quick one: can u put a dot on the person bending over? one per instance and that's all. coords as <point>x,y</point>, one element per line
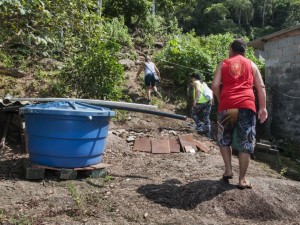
<point>201,106</point>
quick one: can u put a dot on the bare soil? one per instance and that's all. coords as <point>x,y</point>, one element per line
<point>145,188</point>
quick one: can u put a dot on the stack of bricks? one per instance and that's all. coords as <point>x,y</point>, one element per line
<point>184,143</point>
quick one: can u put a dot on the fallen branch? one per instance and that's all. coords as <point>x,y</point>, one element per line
<point>11,72</point>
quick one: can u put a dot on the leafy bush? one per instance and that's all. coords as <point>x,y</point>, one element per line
<point>181,56</point>
<point>5,59</point>
<point>116,32</point>
<point>116,36</point>
<point>96,74</point>
<point>187,53</point>
<point>75,34</point>
<point>155,28</point>
<point>150,30</point>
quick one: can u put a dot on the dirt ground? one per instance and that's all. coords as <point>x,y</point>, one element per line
<point>145,188</point>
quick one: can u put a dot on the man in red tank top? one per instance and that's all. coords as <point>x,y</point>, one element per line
<point>233,85</point>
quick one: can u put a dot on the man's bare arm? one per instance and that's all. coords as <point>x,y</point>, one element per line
<point>139,71</point>
<point>261,92</point>
<point>157,71</point>
<point>216,84</point>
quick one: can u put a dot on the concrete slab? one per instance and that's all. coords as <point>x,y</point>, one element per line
<point>67,174</point>
<point>160,146</point>
<point>174,145</point>
<point>187,143</point>
<point>190,149</point>
<point>97,173</point>
<point>187,140</point>
<point>142,144</point>
<point>35,173</point>
<point>187,137</point>
<point>202,146</point>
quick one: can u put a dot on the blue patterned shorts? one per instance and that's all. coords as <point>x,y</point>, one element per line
<point>236,128</point>
<point>201,116</point>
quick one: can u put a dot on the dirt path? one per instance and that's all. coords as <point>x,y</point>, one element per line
<point>144,188</point>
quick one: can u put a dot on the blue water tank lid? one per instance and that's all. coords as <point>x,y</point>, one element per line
<point>67,108</point>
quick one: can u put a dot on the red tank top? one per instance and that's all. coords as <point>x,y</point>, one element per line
<point>237,84</point>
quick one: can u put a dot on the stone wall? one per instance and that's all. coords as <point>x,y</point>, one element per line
<point>283,87</point>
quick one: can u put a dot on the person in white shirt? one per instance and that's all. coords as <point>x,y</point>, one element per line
<point>152,76</point>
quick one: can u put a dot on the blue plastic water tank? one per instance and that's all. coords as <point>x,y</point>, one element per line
<point>66,134</point>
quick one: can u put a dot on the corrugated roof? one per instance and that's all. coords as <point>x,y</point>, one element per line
<point>260,42</point>
<point>6,104</point>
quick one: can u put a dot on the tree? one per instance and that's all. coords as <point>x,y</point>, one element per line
<point>242,9</point>
<point>132,10</point>
<point>216,18</point>
<point>167,8</point>
<point>293,17</point>
<point>280,10</point>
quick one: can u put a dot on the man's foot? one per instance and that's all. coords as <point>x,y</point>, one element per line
<point>244,186</point>
<point>227,176</point>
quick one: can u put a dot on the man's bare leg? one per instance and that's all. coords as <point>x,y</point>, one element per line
<point>156,92</point>
<point>226,153</point>
<point>244,160</point>
<point>148,93</point>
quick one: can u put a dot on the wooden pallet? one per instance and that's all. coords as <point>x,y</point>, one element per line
<point>38,172</point>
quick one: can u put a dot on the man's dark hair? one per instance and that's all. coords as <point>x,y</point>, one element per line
<point>197,76</point>
<point>238,46</point>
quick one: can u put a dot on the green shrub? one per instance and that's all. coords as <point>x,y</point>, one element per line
<point>116,32</point>
<point>181,56</point>
<point>187,53</point>
<point>96,74</point>
<point>5,60</point>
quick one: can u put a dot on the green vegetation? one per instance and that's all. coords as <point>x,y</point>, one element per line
<point>84,198</point>
<point>77,198</point>
<point>72,48</point>
<point>26,220</point>
<point>289,168</point>
<point>94,74</point>
<point>189,53</point>
<point>87,39</point>
<point>89,46</point>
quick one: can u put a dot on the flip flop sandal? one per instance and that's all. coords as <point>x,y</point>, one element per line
<point>227,177</point>
<point>242,187</point>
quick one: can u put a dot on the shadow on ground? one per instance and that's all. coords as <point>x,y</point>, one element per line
<point>13,168</point>
<point>243,204</point>
<point>172,194</point>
